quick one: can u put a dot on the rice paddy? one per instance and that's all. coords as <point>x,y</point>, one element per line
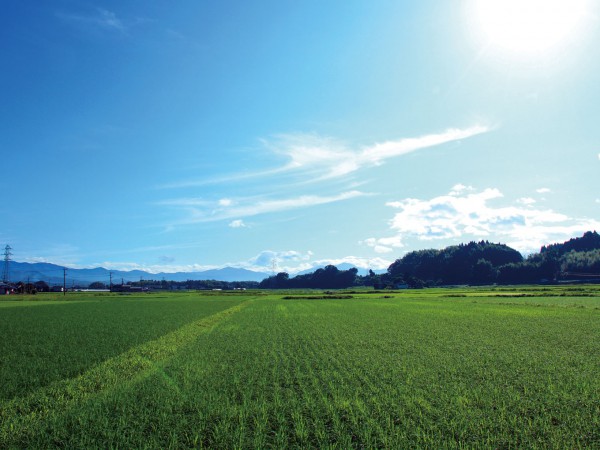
<point>438,368</point>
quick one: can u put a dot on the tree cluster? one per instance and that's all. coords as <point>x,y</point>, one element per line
<point>195,284</point>
<point>329,277</point>
<point>472,263</point>
<point>486,263</point>
<point>475,263</point>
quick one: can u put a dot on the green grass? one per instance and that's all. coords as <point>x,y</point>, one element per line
<point>45,338</point>
<point>458,368</point>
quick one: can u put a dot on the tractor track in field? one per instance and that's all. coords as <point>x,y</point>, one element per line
<point>21,416</point>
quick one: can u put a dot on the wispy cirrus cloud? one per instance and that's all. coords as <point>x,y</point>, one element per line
<point>99,18</point>
<point>200,210</point>
<point>224,179</point>
<point>307,158</point>
<point>330,158</point>
<point>378,153</point>
<point>324,157</point>
<point>465,213</point>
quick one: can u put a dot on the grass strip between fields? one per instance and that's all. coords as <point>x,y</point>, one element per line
<point>19,416</point>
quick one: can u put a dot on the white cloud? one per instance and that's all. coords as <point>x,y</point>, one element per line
<point>238,223</point>
<point>289,261</point>
<point>201,211</point>
<point>109,19</point>
<point>325,157</point>
<point>292,262</point>
<point>384,245</point>
<point>153,268</point>
<point>543,190</point>
<point>309,150</point>
<point>449,216</point>
<point>278,261</point>
<point>330,158</point>
<point>309,157</point>
<point>526,201</point>
<point>377,153</point>
<point>359,262</point>
<point>458,188</point>
<point>464,214</point>
<point>186,202</point>
<point>100,18</point>
<point>223,179</point>
<point>266,257</point>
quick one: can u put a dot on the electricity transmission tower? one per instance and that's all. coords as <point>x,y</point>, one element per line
<point>6,271</point>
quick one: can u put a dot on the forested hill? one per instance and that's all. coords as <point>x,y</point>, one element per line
<point>588,242</point>
<point>485,263</point>
<point>475,263</point>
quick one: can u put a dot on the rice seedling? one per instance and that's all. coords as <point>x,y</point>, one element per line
<point>416,369</point>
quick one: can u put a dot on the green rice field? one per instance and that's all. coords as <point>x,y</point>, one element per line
<point>506,367</point>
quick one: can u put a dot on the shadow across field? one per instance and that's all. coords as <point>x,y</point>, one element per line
<point>43,342</point>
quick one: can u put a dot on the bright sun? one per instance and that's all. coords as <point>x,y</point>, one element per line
<point>528,26</point>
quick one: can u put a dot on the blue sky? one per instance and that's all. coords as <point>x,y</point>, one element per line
<point>169,138</point>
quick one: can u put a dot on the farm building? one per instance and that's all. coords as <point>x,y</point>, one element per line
<point>6,289</point>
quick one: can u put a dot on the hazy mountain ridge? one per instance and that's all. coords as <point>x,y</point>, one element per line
<point>53,274</point>
<point>550,259</point>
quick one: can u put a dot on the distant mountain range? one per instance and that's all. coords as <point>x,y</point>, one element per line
<point>53,274</point>
<point>577,257</point>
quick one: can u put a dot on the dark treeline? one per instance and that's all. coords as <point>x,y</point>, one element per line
<point>486,263</point>
<point>185,285</point>
<point>475,263</point>
<point>329,277</point>
<point>472,263</point>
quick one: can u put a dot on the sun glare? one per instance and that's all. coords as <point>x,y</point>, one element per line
<point>528,26</point>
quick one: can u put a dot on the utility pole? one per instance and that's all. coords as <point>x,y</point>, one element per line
<point>274,265</point>
<point>6,271</point>
<point>64,281</point>
<point>110,285</point>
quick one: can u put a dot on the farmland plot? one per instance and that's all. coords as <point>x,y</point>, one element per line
<point>416,369</point>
